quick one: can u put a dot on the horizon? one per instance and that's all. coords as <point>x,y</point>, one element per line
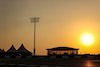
<point>62,23</point>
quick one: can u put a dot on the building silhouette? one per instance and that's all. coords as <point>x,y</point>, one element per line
<point>2,53</point>
<point>62,51</point>
<point>11,51</point>
<point>22,52</point>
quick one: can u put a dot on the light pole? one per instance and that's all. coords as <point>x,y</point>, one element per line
<point>34,20</point>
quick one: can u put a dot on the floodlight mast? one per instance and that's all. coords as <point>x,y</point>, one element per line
<point>34,20</point>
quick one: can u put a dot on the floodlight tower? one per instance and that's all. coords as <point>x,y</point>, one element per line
<point>34,20</point>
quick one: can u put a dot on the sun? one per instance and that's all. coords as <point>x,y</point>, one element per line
<point>87,39</point>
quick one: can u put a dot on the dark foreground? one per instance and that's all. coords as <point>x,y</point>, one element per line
<point>47,62</point>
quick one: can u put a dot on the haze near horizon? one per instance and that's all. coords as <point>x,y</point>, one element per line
<point>62,23</point>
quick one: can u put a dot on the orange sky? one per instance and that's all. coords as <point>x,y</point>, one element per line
<point>62,23</point>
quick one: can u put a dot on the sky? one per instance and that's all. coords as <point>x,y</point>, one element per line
<point>61,23</point>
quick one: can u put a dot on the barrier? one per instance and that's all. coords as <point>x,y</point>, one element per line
<point>33,65</point>
<point>52,56</point>
<point>18,56</point>
<point>7,56</point>
<point>90,56</point>
<point>28,56</point>
<point>22,65</point>
<point>44,66</point>
<point>77,56</point>
<point>65,56</point>
<point>25,65</point>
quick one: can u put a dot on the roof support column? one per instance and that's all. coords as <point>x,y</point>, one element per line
<point>76,51</point>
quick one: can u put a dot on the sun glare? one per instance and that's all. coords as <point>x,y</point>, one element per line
<point>87,39</point>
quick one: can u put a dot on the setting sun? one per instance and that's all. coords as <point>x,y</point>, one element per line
<point>87,39</point>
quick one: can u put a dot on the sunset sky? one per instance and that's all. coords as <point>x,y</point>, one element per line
<point>62,23</point>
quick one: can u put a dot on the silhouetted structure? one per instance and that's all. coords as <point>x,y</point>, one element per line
<point>62,51</point>
<point>2,50</point>
<point>12,51</point>
<point>23,52</point>
<point>2,53</point>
